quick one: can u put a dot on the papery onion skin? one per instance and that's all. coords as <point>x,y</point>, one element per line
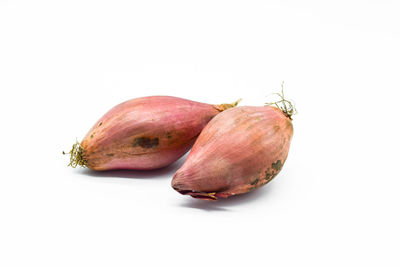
<point>239,150</point>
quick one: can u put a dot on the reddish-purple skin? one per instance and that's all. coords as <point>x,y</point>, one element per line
<point>239,150</point>
<point>146,133</point>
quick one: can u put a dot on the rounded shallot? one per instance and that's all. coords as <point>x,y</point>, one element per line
<point>239,150</point>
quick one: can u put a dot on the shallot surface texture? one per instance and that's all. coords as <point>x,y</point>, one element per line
<point>239,150</point>
<point>144,133</point>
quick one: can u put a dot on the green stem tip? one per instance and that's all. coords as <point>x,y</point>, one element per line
<point>283,104</point>
<point>76,156</point>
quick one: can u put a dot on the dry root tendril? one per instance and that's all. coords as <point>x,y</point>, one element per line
<point>283,104</point>
<point>76,156</point>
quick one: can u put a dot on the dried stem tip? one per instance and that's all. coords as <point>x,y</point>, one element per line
<point>76,156</point>
<point>223,107</point>
<point>283,104</point>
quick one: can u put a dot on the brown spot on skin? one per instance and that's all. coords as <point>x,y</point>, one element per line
<point>254,182</point>
<point>268,175</point>
<point>101,123</point>
<point>146,142</point>
<point>91,136</point>
<point>273,171</point>
<point>276,128</point>
<point>110,155</point>
<point>277,166</point>
<point>169,136</point>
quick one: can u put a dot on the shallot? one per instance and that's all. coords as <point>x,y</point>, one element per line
<point>144,133</point>
<point>239,150</point>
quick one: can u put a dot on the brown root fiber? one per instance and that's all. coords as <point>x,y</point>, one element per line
<point>283,104</point>
<point>76,156</point>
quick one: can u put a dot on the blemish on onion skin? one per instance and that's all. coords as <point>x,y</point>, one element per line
<point>91,136</point>
<point>169,136</point>
<point>268,175</point>
<point>101,123</point>
<point>146,142</point>
<point>110,155</point>
<point>254,182</point>
<point>273,171</point>
<point>277,166</point>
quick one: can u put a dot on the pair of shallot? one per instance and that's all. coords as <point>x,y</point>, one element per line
<point>235,149</point>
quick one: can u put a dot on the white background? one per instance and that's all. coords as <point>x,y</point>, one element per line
<point>63,64</point>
